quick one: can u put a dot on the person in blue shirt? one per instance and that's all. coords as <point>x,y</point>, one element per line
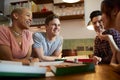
<point>48,45</point>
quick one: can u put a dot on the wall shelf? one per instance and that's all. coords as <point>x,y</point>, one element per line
<point>14,3</point>
<point>37,25</point>
<point>37,15</point>
<point>42,1</point>
<point>41,14</point>
<point>69,17</point>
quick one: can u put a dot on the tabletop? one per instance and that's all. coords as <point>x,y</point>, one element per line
<point>102,72</point>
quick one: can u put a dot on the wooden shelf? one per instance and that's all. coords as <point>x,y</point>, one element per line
<point>45,14</point>
<point>37,25</point>
<point>42,1</point>
<point>41,14</point>
<point>69,17</point>
<point>38,29</point>
<point>14,3</point>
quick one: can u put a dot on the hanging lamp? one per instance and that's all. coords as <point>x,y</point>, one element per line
<point>71,1</point>
<point>90,26</point>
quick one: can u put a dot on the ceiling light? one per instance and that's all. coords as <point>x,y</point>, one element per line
<point>70,1</point>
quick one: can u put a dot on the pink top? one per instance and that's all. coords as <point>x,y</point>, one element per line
<point>7,38</point>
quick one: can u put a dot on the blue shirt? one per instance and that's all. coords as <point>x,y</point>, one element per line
<point>49,47</point>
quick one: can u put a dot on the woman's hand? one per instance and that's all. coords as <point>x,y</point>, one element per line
<point>104,37</point>
<point>96,59</point>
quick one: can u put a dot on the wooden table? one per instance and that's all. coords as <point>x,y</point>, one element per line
<point>102,72</point>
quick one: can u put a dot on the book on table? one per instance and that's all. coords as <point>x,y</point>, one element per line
<point>14,69</point>
<point>66,68</point>
<point>68,65</point>
<point>72,65</point>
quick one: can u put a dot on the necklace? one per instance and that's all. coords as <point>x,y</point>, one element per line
<point>19,43</point>
<point>16,33</point>
<point>18,37</point>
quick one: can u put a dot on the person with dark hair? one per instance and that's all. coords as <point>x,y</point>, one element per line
<point>95,13</point>
<point>48,45</point>
<point>102,50</point>
<point>96,19</point>
<point>111,13</point>
<point>16,40</point>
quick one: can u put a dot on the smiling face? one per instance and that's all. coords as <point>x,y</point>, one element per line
<point>53,27</point>
<point>23,18</point>
<point>97,23</point>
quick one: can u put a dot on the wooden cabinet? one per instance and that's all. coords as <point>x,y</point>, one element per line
<point>66,11</point>
<point>69,11</point>
<point>41,14</point>
<point>39,17</point>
